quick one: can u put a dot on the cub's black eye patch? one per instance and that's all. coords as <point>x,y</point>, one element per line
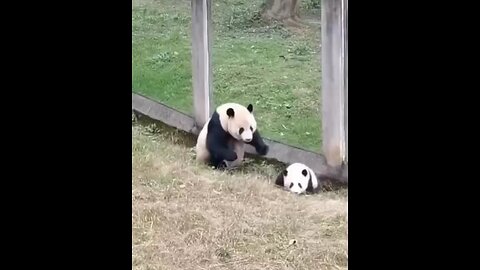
<point>251,128</point>
<point>304,172</point>
<point>240,131</point>
<point>299,185</point>
<point>291,185</point>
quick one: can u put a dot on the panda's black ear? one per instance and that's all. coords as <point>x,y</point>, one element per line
<point>285,172</point>
<point>304,172</point>
<point>230,112</point>
<point>279,180</point>
<point>250,107</point>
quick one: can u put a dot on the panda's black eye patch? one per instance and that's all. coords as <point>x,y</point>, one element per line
<point>299,185</point>
<point>251,128</point>
<point>291,185</point>
<point>240,131</point>
<point>304,172</point>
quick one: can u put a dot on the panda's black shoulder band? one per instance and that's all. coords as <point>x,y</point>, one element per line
<point>215,119</point>
<point>279,180</point>
<point>310,184</point>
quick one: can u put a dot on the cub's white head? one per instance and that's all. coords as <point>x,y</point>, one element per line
<point>298,178</point>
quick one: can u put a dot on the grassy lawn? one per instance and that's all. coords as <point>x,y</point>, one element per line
<point>275,69</point>
<point>186,216</point>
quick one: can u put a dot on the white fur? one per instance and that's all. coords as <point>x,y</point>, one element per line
<point>295,176</point>
<point>201,148</point>
<point>242,118</point>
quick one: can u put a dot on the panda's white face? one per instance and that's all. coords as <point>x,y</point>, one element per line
<point>241,123</point>
<point>297,178</point>
<point>246,134</point>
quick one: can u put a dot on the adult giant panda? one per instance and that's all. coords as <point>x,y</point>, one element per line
<point>298,178</point>
<point>221,142</point>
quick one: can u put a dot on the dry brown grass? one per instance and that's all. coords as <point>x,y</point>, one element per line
<point>187,216</point>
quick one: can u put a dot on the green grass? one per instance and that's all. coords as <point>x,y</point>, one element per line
<point>276,70</point>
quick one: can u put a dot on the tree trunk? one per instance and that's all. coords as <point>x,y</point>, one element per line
<point>285,11</point>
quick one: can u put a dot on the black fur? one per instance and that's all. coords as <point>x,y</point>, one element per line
<point>230,112</point>
<point>279,180</point>
<point>310,188</point>
<point>258,143</point>
<point>250,108</point>
<point>218,142</point>
<point>310,184</point>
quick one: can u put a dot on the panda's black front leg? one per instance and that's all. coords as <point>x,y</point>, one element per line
<point>218,162</point>
<point>219,155</point>
<point>219,147</point>
<point>258,143</point>
<point>218,165</point>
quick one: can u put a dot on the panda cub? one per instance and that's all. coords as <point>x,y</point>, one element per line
<point>221,141</point>
<point>298,178</point>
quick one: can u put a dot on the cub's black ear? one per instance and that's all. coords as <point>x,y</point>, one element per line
<point>304,172</point>
<point>279,180</point>
<point>230,112</point>
<point>285,172</point>
<point>250,107</point>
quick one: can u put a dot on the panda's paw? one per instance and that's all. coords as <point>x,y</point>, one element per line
<point>222,166</point>
<point>263,150</point>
